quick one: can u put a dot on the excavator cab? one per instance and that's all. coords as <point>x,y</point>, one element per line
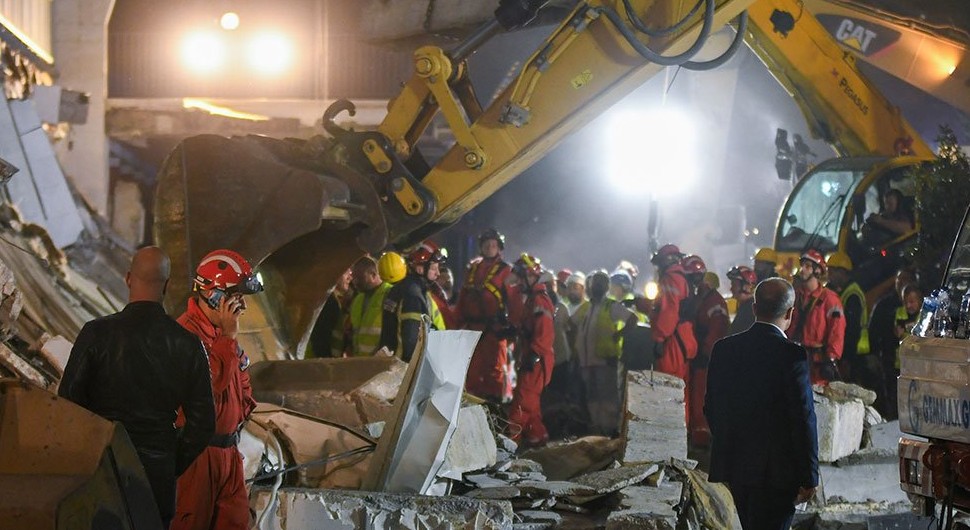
<point>832,208</point>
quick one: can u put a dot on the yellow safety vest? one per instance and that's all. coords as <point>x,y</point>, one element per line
<point>853,289</point>
<point>606,346</point>
<point>433,317</point>
<point>366,315</point>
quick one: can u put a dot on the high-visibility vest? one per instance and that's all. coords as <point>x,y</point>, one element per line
<point>606,346</point>
<point>853,289</point>
<point>366,315</point>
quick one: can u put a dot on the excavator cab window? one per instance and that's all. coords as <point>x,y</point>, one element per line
<point>814,212</point>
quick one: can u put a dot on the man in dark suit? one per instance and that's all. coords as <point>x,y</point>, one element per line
<point>762,417</point>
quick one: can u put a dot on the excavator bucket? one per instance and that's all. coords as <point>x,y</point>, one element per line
<point>288,206</point>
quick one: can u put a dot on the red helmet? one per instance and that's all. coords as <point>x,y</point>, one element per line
<point>427,252</point>
<point>667,255</point>
<point>563,275</point>
<point>743,274</point>
<point>527,263</point>
<point>693,264</point>
<point>227,271</point>
<point>815,257</point>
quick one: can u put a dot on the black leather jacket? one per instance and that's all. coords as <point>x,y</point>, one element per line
<point>138,367</point>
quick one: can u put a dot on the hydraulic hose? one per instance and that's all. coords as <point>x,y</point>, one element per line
<point>662,32</point>
<point>728,53</point>
<point>651,55</point>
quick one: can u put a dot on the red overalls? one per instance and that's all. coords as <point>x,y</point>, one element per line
<point>481,304</point>
<point>819,326</point>
<point>676,333</point>
<point>211,494</point>
<point>710,325</point>
<point>536,335</point>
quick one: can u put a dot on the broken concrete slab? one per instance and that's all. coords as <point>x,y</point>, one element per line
<point>482,480</point>
<point>555,488</point>
<point>564,461</point>
<point>647,507</point>
<point>339,510</point>
<point>472,447</point>
<point>866,481</point>
<point>610,480</point>
<point>712,503</point>
<point>887,435</point>
<point>840,391</point>
<point>495,493</point>
<point>840,427</point>
<point>655,427</point>
<point>540,516</point>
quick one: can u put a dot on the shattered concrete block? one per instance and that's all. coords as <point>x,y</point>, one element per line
<point>610,480</point>
<point>873,417</point>
<point>647,507</point>
<point>539,516</point>
<point>472,446</point>
<point>840,427</point>
<point>655,427</point>
<point>839,391</point>
<point>523,465</point>
<point>482,480</point>
<point>869,480</point>
<point>340,510</point>
<point>555,488</point>
<point>495,493</point>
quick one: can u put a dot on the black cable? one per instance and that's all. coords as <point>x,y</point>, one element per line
<point>353,452</point>
<point>651,55</point>
<point>726,56</point>
<point>662,32</point>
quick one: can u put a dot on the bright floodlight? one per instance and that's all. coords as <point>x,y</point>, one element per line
<point>203,52</point>
<point>229,21</point>
<point>652,151</point>
<point>269,53</point>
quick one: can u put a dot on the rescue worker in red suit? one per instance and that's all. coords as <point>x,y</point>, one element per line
<point>673,331</point>
<point>211,494</point>
<point>482,307</point>
<point>710,325</point>
<point>533,321</point>
<point>818,323</point>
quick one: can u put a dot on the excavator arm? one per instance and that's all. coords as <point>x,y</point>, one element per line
<point>304,210</point>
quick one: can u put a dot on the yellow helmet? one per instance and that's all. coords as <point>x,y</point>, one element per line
<point>766,254</point>
<point>839,259</point>
<point>712,280</point>
<point>391,267</point>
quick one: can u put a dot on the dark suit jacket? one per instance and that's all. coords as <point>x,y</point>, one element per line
<point>760,409</point>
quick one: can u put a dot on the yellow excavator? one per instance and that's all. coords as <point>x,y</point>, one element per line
<point>305,210</point>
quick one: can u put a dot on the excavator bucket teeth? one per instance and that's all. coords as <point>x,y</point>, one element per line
<point>287,206</point>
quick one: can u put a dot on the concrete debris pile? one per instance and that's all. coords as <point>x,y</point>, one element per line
<point>44,302</point>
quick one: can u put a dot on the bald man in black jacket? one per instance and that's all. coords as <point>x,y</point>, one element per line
<point>762,416</point>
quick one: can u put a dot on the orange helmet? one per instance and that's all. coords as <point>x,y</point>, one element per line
<point>816,258</point>
<point>427,252</point>
<point>693,264</point>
